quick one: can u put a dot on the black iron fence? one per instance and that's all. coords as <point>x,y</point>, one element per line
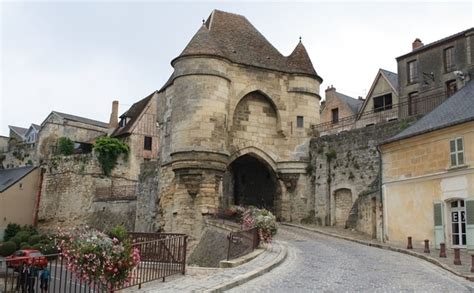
<point>161,256</point>
<point>242,242</point>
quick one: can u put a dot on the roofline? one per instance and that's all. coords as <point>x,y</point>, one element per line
<point>427,131</point>
<point>10,127</point>
<point>436,43</point>
<point>316,76</point>
<point>34,168</point>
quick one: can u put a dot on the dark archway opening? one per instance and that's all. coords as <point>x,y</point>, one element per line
<point>253,183</point>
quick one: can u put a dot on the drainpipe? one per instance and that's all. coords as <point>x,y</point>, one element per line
<point>381,192</point>
<point>38,197</point>
<point>329,193</point>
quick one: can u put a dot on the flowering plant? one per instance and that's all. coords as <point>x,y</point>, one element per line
<point>235,212</point>
<point>97,258</point>
<point>262,219</point>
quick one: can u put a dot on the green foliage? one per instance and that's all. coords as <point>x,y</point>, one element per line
<point>331,155</point>
<point>36,246</point>
<point>16,240</point>
<point>118,232</point>
<point>25,245</point>
<point>11,231</point>
<point>65,146</point>
<point>108,150</point>
<point>7,248</point>
<point>23,236</point>
<point>309,169</point>
<point>34,239</point>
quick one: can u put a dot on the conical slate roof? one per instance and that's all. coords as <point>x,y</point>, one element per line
<point>233,37</point>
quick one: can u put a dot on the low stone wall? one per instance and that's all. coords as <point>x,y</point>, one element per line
<point>70,194</point>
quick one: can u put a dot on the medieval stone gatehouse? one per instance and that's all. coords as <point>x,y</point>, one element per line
<point>235,120</point>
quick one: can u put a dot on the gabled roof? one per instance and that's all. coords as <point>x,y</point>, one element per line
<point>390,77</point>
<point>8,177</point>
<point>134,113</point>
<point>81,119</point>
<point>18,130</point>
<point>35,126</point>
<point>436,43</point>
<point>353,104</point>
<point>459,108</point>
<point>233,37</point>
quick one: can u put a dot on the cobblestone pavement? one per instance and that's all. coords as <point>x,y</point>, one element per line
<point>318,263</point>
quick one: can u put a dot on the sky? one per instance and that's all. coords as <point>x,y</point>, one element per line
<point>77,57</point>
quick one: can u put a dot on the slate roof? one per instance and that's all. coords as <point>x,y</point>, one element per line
<point>392,78</point>
<point>81,119</point>
<point>436,43</point>
<point>459,108</point>
<point>354,104</point>
<point>233,37</point>
<point>8,177</point>
<point>19,130</point>
<point>36,126</point>
<point>133,113</point>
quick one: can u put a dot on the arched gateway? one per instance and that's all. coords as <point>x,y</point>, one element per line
<point>250,181</point>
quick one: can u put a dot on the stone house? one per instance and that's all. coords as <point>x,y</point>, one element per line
<point>139,129</point>
<point>17,133</point>
<point>79,129</point>
<point>428,176</point>
<point>431,73</point>
<point>18,196</point>
<point>21,146</point>
<point>235,120</point>
<point>338,112</point>
<point>381,103</point>
<point>3,145</point>
<point>31,135</point>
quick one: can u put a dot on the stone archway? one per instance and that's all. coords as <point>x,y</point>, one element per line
<point>343,205</point>
<point>249,180</point>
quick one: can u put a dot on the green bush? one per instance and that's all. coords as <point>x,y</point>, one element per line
<point>34,239</point>
<point>37,246</point>
<point>7,248</point>
<point>108,150</point>
<point>23,235</point>
<point>17,241</point>
<point>25,245</point>
<point>118,232</point>
<point>65,146</point>
<point>11,231</point>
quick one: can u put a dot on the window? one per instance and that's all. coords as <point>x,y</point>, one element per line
<point>449,59</point>
<point>123,122</point>
<point>299,121</point>
<point>456,150</point>
<point>148,143</point>
<point>412,71</point>
<point>412,103</point>
<point>335,115</point>
<point>383,103</point>
<point>451,88</point>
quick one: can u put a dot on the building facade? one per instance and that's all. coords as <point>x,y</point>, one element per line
<point>234,122</point>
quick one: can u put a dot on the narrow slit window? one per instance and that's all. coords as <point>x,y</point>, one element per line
<point>299,121</point>
<point>148,143</point>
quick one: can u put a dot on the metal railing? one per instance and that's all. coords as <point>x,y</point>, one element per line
<point>402,110</point>
<point>159,258</point>
<point>242,242</point>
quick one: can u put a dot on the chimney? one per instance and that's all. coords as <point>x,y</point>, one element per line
<point>113,123</point>
<point>330,88</point>
<point>361,98</point>
<point>416,44</point>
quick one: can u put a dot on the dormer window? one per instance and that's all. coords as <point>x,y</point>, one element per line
<point>123,122</point>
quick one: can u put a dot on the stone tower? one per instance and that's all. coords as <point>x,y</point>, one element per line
<point>235,120</point>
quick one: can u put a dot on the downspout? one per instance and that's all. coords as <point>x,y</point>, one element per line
<point>38,197</point>
<point>381,192</point>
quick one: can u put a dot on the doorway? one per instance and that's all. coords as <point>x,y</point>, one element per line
<point>458,223</point>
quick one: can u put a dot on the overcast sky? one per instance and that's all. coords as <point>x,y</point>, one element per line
<point>77,57</point>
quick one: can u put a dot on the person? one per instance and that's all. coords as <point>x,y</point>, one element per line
<point>32,273</point>
<point>45,277</point>
<point>21,277</point>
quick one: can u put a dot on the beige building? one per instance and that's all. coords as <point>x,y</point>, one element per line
<point>18,196</point>
<point>235,121</point>
<point>428,176</point>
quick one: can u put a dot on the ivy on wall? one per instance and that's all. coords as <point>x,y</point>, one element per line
<point>108,151</point>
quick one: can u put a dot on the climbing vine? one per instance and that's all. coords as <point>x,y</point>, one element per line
<point>108,150</point>
<point>65,146</point>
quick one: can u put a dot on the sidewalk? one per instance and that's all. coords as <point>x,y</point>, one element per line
<point>217,280</point>
<point>463,270</point>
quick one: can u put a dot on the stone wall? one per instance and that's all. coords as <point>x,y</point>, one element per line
<point>74,193</point>
<point>148,197</point>
<point>348,163</point>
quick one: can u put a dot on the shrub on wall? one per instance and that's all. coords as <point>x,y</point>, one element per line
<point>7,248</point>
<point>65,146</point>
<point>108,151</point>
<point>11,231</point>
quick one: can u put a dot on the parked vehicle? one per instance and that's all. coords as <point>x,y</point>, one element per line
<point>26,257</point>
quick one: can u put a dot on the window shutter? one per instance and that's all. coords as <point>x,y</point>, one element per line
<point>470,223</point>
<point>438,223</point>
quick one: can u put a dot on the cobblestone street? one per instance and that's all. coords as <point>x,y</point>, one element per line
<point>317,263</point>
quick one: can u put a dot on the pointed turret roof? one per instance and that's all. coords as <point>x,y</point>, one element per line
<point>233,37</point>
